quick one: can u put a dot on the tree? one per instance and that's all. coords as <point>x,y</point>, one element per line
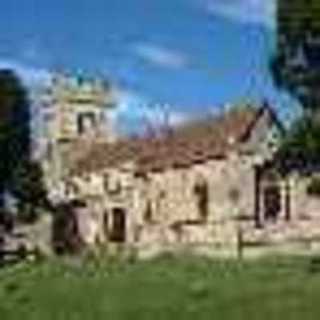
<point>296,65</point>
<point>302,141</point>
<point>14,127</point>
<point>157,120</point>
<point>296,69</point>
<point>19,174</point>
<point>29,189</point>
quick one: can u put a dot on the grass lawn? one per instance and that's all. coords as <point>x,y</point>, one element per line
<point>164,288</point>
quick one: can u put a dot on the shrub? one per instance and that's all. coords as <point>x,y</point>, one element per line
<point>313,188</point>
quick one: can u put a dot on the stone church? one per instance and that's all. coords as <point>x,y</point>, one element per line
<point>187,188</point>
<point>195,186</point>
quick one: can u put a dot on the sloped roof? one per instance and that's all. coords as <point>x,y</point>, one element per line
<point>195,142</point>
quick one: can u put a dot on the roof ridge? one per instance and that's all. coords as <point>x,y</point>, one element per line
<point>196,141</point>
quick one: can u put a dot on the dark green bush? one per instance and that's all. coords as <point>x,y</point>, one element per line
<point>313,188</point>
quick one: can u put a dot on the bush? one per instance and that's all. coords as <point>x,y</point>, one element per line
<point>66,239</point>
<point>313,188</point>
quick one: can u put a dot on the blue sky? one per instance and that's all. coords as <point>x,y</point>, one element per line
<point>194,55</point>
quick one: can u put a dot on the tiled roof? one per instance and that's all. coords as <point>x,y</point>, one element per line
<point>191,143</point>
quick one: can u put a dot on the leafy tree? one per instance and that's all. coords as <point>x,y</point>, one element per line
<point>14,124</point>
<point>304,136</point>
<point>28,188</point>
<point>296,65</point>
<point>19,175</point>
<point>296,68</point>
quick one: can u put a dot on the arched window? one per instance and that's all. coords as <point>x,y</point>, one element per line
<point>148,212</point>
<point>202,197</point>
<point>85,121</point>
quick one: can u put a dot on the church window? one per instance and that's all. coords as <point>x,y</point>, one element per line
<point>85,122</point>
<point>202,195</point>
<point>148,212</point>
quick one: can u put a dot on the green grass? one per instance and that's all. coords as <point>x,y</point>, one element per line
<point>165,288</point>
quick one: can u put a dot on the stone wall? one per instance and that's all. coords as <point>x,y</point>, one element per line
<point>162,212</point>
<point>305,207</point>
<point>173,196</point>
<point>34,236</point>
<point>162,208</point>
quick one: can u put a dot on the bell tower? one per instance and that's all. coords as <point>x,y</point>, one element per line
<point>76,111</point>
<point>79,106</point>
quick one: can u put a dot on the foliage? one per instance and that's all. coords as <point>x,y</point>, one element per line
<point>300,147</point>
<point>65,234</point>
<point>313,188</point>
<point>14,117</point>
<point>296,65</point>
<point>19,175</point>
<point>29,189</point>
<point>304,135</point>
<point>163,288</point>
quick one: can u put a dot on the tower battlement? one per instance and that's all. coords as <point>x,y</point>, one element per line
<point>76,111</point>
<point>76,106</point>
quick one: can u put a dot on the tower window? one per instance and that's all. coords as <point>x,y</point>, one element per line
<point>85,122</point>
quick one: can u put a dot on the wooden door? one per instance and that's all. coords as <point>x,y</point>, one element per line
<point>118,225</point>
<point>272,202</point>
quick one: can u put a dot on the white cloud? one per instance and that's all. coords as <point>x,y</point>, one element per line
<point>129,102</point>
<point>178,118</point>
<point>160,55</point>
<point>136,113</point>
<point>247,11</point>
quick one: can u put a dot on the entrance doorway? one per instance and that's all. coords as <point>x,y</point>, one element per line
<point>118,225</point>
<point>272,202</point>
